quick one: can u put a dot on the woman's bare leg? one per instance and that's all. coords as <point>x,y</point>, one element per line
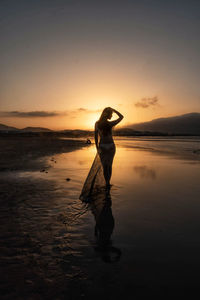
<point>107,167</point>
<point>107,170</point>
<point>106,174</point>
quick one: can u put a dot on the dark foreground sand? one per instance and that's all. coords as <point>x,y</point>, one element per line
<point>36,259</point>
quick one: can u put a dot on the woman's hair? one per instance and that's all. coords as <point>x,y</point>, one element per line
<point>105,113</point>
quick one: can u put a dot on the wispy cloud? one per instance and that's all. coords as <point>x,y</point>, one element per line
<point>147,102</point>
<point>44,114</point>
<point>29,114</point>
<point>81,109</point>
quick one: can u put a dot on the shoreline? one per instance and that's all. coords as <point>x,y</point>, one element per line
<point>25,153</point>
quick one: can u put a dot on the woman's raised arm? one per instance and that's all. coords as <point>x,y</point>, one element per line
<point>115,122</point>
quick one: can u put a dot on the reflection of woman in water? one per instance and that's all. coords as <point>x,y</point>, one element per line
<point>101,170</point>
<point>102,211</point>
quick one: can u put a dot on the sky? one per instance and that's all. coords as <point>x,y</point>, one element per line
<point>62,62</point>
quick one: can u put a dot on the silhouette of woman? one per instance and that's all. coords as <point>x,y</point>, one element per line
<point>106,146</point>
<point>101,170</point>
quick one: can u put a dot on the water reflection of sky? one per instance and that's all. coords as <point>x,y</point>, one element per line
<point>139,176</point>
<point>156,189</point>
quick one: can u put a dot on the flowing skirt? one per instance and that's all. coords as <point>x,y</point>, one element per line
<point>95,181</point>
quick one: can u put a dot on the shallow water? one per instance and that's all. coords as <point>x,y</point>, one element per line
<point>155,207</point>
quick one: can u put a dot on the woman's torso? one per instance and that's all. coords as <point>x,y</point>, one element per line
<point>105,133</point>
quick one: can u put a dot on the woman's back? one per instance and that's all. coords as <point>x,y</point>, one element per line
<point>105,131</point>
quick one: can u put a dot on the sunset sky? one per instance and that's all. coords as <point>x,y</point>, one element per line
<point>62,62</point>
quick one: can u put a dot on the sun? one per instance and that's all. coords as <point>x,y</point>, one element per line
<point>91,120</point>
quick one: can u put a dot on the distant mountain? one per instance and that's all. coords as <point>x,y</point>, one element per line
<point>35,129</point>
<point>187,124</point>
<point>183,124</point>
<point>7,128</point>
<point>26,129</point>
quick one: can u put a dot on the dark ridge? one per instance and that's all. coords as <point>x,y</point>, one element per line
<point>187,124</point>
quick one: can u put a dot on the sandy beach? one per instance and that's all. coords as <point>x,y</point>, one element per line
<point>48,246</point>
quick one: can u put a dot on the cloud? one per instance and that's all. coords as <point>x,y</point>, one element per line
<point>44,114</point>
<point>29,114</point>
<point>147,102</point>
<point>88,110</point>
<point>81,109</point>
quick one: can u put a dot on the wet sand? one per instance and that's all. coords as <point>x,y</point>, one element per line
<point>147,241</point>
<point>25,153</point>
<point>37,258</point>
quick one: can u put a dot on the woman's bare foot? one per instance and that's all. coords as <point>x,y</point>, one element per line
<point>108,186</point>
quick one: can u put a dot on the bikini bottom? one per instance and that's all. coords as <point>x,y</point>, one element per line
<point>106,153</point>
<point>107,146</point>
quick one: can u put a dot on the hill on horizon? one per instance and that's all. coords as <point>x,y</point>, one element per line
<point>35,129</point>
<point>26,129</point>
<point>183,124</point>
<point>8,128</point>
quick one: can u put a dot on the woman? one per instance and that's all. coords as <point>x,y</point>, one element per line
<point>106,146</point>
<point>101,169</point>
